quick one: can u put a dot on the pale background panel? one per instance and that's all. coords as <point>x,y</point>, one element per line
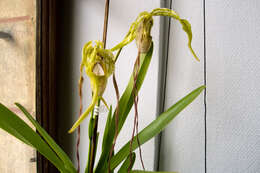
<point>233,37</point>
<point>233,81</point>
<point>182,147</point>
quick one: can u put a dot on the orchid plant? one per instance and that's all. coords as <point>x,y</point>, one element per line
<point>99,64</point>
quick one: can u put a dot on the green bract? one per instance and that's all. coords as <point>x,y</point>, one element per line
<point>99,65</point>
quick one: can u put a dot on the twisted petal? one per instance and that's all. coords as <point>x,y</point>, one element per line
<point>131,35</point>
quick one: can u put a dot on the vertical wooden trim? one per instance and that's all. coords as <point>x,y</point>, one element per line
<point>38,75</point>
<point>46,74</point>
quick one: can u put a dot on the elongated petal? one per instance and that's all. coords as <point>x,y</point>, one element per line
<point>86,113</point>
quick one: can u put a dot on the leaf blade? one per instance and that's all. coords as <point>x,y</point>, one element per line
<point>127,164</point>
<point>106,131</point>
<point>62,155</point>
<point>14,125</point>
<point>156,126</point>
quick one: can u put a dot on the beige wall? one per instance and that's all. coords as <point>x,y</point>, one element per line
<point>17,78</point>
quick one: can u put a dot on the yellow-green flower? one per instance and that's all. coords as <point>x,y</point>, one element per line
<point>141,28</point>
<point>99,65</point>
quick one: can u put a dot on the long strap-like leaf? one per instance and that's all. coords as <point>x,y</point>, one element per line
<point>62,155</point>
<point>156,126</point>
<point>128,163</point>
<point>15,126</point>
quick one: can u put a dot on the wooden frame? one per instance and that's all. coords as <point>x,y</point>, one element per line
<point>45,74</point>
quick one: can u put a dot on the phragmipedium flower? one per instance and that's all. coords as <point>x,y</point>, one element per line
<point>99,65</point>
<point>141,28</point>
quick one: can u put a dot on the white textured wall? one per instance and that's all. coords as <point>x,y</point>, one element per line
<point>182,141</point>
<point>233,82</point>
<point>233,86</point>
<point>83,20</point>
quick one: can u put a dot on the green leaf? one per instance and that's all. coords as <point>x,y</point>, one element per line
<point>91,126</point>
<point>139,171</point>
<point>96,144</point>
<point>105,145</point>
<point>127,99</point>
<point>127,164</point>
<point>91,155</point>
<point>15,126</point>
<point>125,105</point>
<point>156,126</point>
<point>56,148</point>
<point>106,132</point>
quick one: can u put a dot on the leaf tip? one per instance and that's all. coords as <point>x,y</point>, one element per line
<point>17,104</point>
<point>71,130</point>
<point>202,87</point>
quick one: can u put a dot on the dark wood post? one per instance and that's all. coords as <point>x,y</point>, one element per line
<point>45,74</point>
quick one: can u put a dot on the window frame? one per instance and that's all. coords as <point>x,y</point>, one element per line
<point>46,15</point>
